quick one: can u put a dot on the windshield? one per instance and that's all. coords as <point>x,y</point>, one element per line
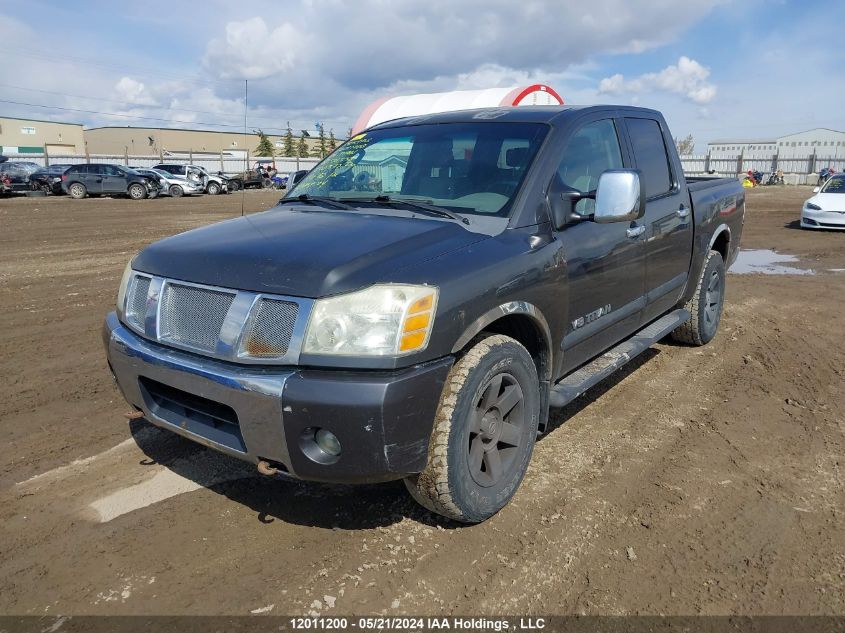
<point>474,167</point>
<point>835,185</point>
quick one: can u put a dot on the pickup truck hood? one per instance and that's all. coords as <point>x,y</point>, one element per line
<point>303,251</point>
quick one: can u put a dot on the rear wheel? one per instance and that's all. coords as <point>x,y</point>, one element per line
<point>77,190</point>
<point>706,304</point>
<point>213,188</point>
<point>137,191</point>
<point>176,191</point>
<point>484,432</point>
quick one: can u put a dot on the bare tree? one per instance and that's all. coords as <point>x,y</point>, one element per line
<point>686,146</point>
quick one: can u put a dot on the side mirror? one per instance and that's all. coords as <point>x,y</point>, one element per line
<point>620,196</point>
<point>816,189</point>
<point>295,176</point>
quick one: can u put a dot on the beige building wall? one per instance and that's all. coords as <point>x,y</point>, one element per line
<point>140,141</point>
<point>29,136</point>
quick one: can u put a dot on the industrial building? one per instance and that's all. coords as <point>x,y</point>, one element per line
<point>33,136</point>
<point>823,142</point>
<point>170,141</point>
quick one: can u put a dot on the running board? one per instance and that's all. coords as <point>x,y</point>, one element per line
<point>597,370</point>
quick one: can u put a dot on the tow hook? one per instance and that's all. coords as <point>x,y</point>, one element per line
<point>135,415</point>
<point>266,469</point>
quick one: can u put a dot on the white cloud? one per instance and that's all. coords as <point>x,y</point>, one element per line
<point>687,78</point>
<point>250,50</point>
<point>131,91</point>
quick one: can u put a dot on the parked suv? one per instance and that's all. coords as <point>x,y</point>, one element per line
<point>96,179</point>
<point>212,184</point>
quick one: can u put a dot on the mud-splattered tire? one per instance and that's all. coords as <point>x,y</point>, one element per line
<point>705,305</point>
<point>484,432</point>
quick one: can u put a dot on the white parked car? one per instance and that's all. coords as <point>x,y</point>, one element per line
<point>826,209</point>
<point>174,186</point>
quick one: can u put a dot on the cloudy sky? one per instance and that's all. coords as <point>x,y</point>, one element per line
<point>716,68</point>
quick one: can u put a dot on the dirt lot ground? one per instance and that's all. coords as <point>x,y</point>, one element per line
<point>699,481</point>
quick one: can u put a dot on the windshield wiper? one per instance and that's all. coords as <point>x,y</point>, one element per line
<point>325,201</point>
<point>418,205</point>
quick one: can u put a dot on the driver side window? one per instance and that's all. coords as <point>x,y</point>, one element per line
<point>592,150</point>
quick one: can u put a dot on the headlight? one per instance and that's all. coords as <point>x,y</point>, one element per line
<point>384,320</point>
<point>812,207</point>
<point>121,291</point>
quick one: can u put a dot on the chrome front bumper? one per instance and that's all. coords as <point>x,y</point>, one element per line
<point>383,419</point>
<point>254,394</point>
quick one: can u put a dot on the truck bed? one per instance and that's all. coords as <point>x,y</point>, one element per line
<point>699,183</point>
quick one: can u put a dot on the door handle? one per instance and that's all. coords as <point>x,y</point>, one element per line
<point>683,212</point>
<point>635,231</point>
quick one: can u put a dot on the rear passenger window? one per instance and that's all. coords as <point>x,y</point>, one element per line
<point>650,155</point>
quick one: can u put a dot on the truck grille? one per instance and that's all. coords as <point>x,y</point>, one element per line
<point>270,330</point>
<point>233,325</point>
<point>192,316</point>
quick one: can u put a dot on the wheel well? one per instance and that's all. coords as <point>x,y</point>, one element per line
<point>721,244</point>
<point>525,330</point>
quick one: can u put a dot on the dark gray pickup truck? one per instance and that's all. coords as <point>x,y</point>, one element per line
<point>417,303</point>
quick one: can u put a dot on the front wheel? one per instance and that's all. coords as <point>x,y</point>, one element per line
<point>234,185</point>
<point>484,432</point>
<point>705,307</point>
<point>77,190</point>
<point>213,188</point>
<point>137,192</point>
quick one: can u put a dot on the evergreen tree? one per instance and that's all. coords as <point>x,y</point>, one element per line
<point>265,146</point>
<point>289,148</point>
<point>332,141</point>
<point>320,149</point>
<point>302,148</point>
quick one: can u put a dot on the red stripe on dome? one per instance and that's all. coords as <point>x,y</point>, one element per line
<point>518,94</point>
<point>364,119</point>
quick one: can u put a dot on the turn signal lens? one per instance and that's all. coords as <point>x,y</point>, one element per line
<point>417,322</point>
<point>412,341</point>
<point>421,305</point>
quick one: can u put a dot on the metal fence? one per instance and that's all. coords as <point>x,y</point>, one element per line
<point>796,171</point>
<point>213,164</point>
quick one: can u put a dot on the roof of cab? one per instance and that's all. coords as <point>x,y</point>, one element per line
<point>521,114</point>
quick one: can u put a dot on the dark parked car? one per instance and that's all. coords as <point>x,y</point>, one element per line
<point>15,175</point>
<point>421,329</point>
<point>48,179</point>
<point>101,179</point>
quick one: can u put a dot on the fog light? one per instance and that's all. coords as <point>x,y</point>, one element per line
<point>328,442</point>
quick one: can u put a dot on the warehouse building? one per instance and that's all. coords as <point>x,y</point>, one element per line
<point>33,136</point>
<point>170,141</point>
<point>823,142</point>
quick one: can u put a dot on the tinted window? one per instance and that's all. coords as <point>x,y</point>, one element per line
<point>650,155</point>
<point>591,151</point>
<point>110,170</point>
<point>470,167</point>
<point>79,169</point>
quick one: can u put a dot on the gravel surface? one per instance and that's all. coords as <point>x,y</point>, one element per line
<point>699,480</point>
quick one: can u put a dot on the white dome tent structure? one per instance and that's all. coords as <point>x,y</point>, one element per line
<point>388,108</point>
